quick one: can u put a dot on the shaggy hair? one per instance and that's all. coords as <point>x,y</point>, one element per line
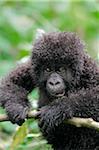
<point>55,50</point>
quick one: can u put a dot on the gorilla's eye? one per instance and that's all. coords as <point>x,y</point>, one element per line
<point>48,69</point>
<point>61,69</point>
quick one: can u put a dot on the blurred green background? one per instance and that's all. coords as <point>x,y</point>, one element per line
<point>19,20</point>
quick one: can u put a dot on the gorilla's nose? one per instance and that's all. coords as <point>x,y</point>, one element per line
<point>55,80</point>
<point>54,83</point>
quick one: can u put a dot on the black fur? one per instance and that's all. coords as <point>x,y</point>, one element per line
<point>81,99</point>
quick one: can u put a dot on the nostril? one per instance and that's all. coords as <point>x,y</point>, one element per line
<point>51,83</point>
<point>57,83</point>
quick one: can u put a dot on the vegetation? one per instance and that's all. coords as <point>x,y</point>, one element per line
<point>19,21</point>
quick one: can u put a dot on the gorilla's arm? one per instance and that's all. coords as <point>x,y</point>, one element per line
<point>84,103</point>
<point>14,90</point>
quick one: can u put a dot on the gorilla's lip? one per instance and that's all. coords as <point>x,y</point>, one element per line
<point>59,94</point>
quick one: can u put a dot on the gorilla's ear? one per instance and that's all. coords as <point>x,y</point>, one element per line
<point>40,33</point>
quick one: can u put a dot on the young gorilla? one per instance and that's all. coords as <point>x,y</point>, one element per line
<point>68,81</point>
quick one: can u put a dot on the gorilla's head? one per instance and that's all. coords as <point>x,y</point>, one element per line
<point>58,59</point>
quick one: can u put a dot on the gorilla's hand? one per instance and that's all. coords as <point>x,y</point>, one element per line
<point>17,113</point>
<point>52,116</point>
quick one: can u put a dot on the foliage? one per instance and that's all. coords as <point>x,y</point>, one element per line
<point>19,21</point>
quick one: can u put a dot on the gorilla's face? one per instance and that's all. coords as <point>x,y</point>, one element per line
<point>56,79</point>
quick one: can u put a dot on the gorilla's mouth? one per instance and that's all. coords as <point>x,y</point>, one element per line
<point>58,94</point>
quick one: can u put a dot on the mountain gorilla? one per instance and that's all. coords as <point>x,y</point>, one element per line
<point>68,82</point>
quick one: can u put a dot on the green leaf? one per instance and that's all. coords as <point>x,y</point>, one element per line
<point>19,136</point>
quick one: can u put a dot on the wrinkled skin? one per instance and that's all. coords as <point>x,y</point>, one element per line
<point>68,82</point>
